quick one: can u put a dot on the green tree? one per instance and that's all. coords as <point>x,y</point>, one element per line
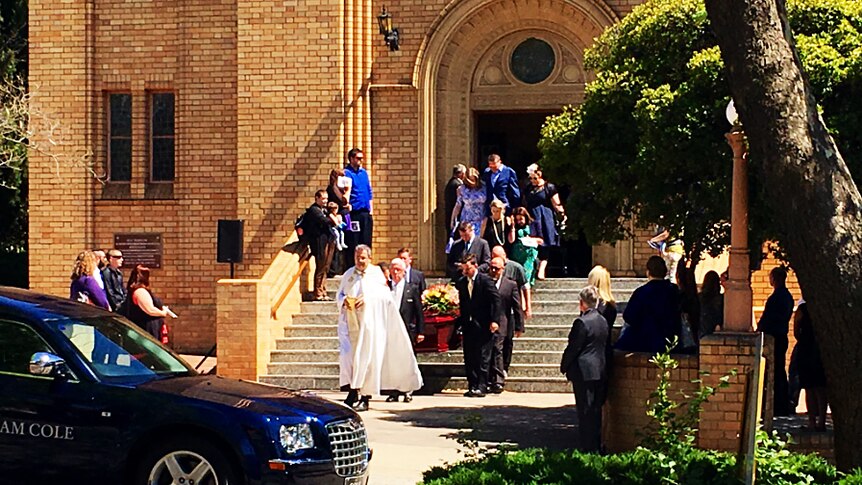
<point>815,202</point>
<point>648,141</point>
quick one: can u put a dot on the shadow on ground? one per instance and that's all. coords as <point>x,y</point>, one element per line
<point>520,426</point>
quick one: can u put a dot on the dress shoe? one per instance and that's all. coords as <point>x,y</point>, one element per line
<point>361,406</point>
<point>392,398</point>
<point>408,398</point>
<point>352,398</point>
<point>495,389</point>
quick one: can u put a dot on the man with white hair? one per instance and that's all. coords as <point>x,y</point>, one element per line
<point>515,271</point>
<point>408,298</point>
<point>375,351</point>
<point>583,364</point>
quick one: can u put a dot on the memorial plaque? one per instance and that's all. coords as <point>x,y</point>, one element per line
<point>140,248</point>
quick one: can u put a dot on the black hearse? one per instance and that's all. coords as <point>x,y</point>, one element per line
<point>87,397</point>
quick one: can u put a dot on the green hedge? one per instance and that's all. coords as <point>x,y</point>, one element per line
<point>639,467</point>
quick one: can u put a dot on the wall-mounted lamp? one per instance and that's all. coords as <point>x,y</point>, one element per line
<point>390,35</point>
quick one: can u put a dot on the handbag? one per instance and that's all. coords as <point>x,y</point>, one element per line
<point>686,338</point>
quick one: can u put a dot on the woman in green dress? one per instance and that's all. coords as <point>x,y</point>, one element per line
<point>525,247</point>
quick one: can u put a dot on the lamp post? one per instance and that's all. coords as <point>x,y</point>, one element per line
<point>737,296</point>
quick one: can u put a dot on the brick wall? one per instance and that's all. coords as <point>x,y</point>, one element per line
<point>633,379</point>
<point>722,418</point>
<point>136,47</point>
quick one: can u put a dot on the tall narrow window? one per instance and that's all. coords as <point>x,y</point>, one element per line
<point>120,137</point>
<point>162,137</point>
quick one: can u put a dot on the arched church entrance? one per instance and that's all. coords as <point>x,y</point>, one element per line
<point>489,76</point>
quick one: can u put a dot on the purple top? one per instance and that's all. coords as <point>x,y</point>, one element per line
<point>87,285</point>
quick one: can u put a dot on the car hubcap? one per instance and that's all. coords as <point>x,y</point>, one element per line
<point>183,468</point>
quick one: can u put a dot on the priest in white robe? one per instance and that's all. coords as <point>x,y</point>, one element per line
<point>375,351</point>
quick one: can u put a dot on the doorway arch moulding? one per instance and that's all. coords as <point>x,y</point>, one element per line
<point>445,68</point>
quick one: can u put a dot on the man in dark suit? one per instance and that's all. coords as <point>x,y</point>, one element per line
<point>450,194</point>
<point>479,319</point>
<point>318,224</point>
<point>411,274</point>
<point>511,323</point>
<point>584,365</point>
<point>408,299</point>
<point>502,184</point>
<point>469,243</point>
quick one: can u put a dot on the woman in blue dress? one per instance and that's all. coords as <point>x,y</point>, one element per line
<point>470,205</point>
<point>542,201</point>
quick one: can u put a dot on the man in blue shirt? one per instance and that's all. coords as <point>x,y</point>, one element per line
<point>361,222</point>
<point>501,182</point>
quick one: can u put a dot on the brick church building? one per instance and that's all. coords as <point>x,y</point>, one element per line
<point>196,111</point>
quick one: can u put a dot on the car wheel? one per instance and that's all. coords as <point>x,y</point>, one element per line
<point>185,461</point>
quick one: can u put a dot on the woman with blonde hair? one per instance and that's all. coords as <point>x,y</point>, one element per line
<point>84,287</point>
<point>600,277</point>
<point>495,228</point>
<point>470,204</point>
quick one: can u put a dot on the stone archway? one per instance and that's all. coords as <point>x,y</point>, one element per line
<point>462,66</point>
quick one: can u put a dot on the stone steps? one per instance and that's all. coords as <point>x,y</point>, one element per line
<point>307,356</point>
<point>539,318</point>
<point>331,343</point>
<point>330,330</point>
<point>432,384</point>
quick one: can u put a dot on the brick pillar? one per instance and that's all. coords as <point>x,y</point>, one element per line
<point>61,200</point>
<point>242,328</point>
<point>721,422</point>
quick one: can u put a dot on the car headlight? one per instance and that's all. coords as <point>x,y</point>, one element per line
<point>296,437</point>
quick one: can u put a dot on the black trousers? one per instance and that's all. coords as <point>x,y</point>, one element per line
<point>589,397</point>
<point>497,371</point>
<point>478,344</point>
<point>353,239</point>
<point>781,395</point>
<point>508,347</point>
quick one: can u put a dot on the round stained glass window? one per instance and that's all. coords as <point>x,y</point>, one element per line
<point>532,61</point>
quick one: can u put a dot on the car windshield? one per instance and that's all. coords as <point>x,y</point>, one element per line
<point>120,352</point>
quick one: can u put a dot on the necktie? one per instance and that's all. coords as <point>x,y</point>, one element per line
<point>470,287</point>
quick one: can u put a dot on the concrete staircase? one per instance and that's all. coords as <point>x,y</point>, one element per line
<point>307,356</point>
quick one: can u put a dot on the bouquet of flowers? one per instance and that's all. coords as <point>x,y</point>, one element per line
<point>440,300</point>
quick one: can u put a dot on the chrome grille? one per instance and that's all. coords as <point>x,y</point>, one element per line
<point>349,447</point>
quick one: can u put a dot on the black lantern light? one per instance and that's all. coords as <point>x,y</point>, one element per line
<point>390,35</point>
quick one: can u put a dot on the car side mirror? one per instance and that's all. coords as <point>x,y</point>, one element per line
<point>47,364</point>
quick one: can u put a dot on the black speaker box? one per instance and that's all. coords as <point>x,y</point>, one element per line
<point>230,240</point>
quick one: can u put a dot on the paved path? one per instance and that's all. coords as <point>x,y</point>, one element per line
<point>408,439</point>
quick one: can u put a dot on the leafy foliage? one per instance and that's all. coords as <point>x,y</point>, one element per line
<point>648,141</point>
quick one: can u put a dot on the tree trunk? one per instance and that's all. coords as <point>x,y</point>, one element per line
<point>815,202</point>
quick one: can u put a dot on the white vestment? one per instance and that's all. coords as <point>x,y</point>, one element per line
<point>375,351</point>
